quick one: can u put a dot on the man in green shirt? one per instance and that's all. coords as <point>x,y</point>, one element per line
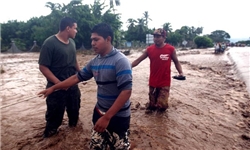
<point>58,62</point>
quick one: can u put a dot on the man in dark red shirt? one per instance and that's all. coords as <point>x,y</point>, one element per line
<point>160,55</point>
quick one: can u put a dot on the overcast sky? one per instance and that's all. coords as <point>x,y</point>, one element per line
<point>231,16</point>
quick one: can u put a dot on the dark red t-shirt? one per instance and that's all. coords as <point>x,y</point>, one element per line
<point>160,65</point>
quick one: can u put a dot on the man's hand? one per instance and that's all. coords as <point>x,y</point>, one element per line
<point>101,124</point>
<point>46,92</point>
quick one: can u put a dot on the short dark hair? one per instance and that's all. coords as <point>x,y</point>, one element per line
<point>104,30</point>
<point>65,22</point>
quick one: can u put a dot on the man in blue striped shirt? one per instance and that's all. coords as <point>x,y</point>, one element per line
<point>113,75</point>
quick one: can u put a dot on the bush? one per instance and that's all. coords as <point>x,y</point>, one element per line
<point>203,41</point>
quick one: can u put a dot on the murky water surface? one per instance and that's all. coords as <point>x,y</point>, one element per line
<point>205,110</point>
<point>241,57</point>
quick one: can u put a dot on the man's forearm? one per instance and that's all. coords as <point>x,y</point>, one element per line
<point>179,68</point>
<point>48,74</point>
<point>67,83</point>
<point>138,60</point>
<point>134,63</point>
<point>77,67</point>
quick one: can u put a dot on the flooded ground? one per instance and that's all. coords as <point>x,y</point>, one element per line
<point>209,110</point>
<point>241,56</point>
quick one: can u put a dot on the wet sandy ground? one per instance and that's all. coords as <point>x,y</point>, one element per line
<point>210,110</point>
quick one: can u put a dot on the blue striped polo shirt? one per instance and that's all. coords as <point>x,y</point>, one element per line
<point>112,74</point>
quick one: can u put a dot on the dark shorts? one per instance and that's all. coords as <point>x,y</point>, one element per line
<point>114,137</point>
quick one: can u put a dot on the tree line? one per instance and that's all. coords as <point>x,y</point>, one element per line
<point>87,15</point>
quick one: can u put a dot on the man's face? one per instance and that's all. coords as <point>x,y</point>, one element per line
<point>159,40</point>
<point>72,30</point>
<point>99,44</point>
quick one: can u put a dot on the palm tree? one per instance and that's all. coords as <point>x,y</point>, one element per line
<point>167,27</point>
<point>53,6</point>
<point>146,17</point>
<point>141,26</point>
<point>131,22</point>
<point>117,3</point>
<point>199,30</point>
<point>184,32</point>
<point>56,13</point>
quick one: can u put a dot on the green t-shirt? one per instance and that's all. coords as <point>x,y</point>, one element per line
<point>59,57</point>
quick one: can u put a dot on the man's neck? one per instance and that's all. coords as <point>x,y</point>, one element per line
<point>62,37</point>
<point>108,50</point>
<point>160,46</point>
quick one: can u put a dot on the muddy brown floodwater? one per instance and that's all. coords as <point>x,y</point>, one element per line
<point>208,111</point>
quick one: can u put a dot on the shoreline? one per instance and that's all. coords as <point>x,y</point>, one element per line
<point>236,69</point>
<point>242,65</point>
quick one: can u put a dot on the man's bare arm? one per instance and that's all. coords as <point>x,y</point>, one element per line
<point>139,59</point>
<point>176,63</point>
<point>48,74</point>
<point>62,85</point>
<point>77,66</point>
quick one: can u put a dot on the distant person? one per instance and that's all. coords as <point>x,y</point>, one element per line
<point>160,55</point>
<point>223,46</point>
<point>220,46</point>
<point>58,62</point>
<point>112,73</point>
<point>217,46</point>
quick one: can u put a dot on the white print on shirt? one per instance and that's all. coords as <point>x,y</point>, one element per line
<point>164,56</point>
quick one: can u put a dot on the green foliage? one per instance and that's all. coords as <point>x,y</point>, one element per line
<point>146,18</point>
<point>114,21</point>
<point>38,29</point>
<point>247,42</point>
<point>167,27</point>
<point>111,3</point>
<point>189,33</point>
<point>219,36</point>
<point>174,38</point>
<point>137,29</point>
<point>203,42</point>
<point>20,44</point>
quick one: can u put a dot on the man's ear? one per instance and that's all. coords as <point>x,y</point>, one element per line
<point>67,28</point>
<point>109,39</point>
